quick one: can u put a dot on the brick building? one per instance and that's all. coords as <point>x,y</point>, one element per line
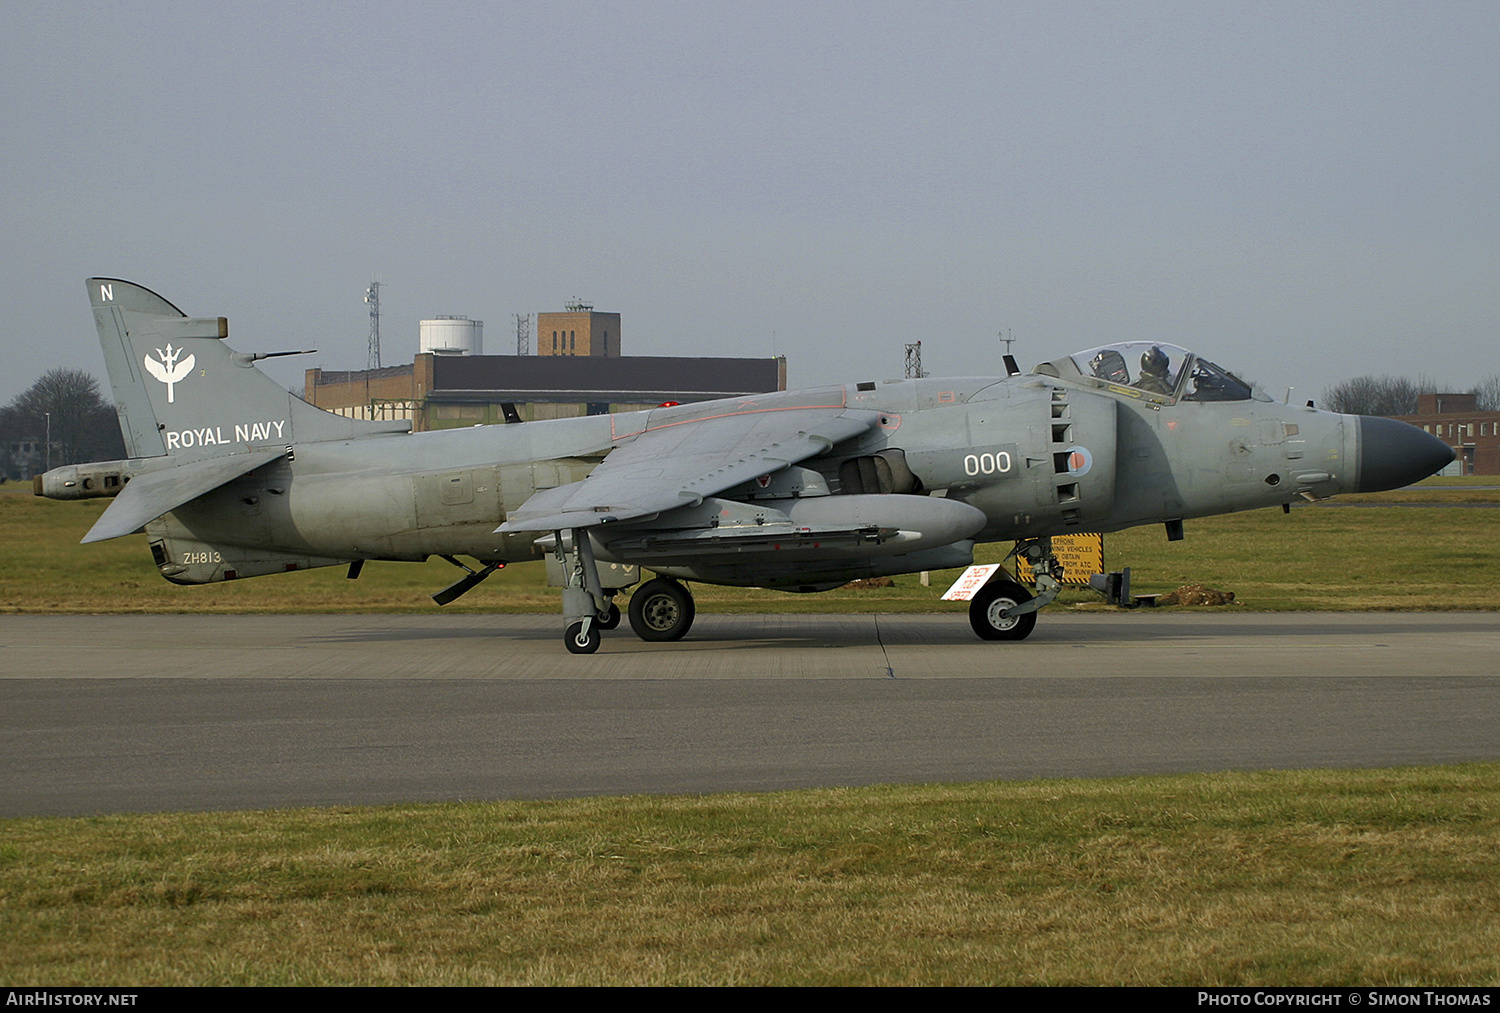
<point>578,370</point>
<point>578,331</point>
<point>1455,419</point>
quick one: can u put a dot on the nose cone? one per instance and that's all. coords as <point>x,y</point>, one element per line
<point>1393,454</point>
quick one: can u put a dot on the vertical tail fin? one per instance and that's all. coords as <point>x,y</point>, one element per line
<point>181,391</point>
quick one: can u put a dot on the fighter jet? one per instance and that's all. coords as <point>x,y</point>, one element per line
<point>230,476</point>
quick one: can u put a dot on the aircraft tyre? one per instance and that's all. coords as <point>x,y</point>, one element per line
<point>608,619</point>
<point>661,609</point>
<point>579,642</point>
<point>985,610</point>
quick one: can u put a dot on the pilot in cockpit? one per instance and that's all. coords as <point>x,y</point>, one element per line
<point>1154,372</point>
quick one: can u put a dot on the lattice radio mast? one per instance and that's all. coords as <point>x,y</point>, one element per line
<point>914,361</point>
<point>523,333</point>
<point>372,296</point>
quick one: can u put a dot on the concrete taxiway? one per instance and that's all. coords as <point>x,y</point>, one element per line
<point>129,713</point>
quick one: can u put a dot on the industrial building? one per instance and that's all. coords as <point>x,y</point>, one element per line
<point>578,331</point>
<point>577,370</point>
<point>1455,419</point>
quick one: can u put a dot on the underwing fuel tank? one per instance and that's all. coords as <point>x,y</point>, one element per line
<point>915,522</point>
<point>857,526</point>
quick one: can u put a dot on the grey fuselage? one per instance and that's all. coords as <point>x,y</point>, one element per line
<point>1038,455</point>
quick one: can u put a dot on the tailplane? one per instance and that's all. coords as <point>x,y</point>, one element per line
<point>181,391</point>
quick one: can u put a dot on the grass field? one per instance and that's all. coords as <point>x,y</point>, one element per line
<point>1428,547</point>
<point>1369,878</point>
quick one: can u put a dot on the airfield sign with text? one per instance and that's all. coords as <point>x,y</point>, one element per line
<point>971,582</point>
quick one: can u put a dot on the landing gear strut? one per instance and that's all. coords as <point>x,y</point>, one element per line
<point>1003,609</point>
<point>661,609</point>
<point>587,609</point>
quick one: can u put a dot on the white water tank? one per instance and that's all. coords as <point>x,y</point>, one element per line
<point>450,336</point>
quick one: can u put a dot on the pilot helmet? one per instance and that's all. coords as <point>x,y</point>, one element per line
<point>1155,362</point>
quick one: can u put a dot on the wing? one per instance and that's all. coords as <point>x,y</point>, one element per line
<point>678,464</point>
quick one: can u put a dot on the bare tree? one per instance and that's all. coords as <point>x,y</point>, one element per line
<point>66,404</point>
<point>1377,395</point>
<point>1487,393</point>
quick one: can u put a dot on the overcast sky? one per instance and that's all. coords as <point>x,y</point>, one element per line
<point>1301,191</point>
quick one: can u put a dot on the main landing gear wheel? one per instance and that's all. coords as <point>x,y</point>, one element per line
<point>987,608</point>
<point>661,609</point>
<point>579,642</point>
<point>609,619</point>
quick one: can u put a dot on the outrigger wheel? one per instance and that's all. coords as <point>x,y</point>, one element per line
<point>587,608</point>
<point>610,618</point>
<point>580,642</point>
<point>661,609</point>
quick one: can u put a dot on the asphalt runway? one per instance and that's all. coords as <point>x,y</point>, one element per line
<point>142,713</point>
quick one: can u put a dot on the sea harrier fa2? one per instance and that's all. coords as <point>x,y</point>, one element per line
<point>230,476</point>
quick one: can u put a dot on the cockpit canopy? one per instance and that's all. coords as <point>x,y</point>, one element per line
<point>1155,368</point>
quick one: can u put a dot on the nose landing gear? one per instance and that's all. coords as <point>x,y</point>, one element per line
<point>993,615</point>
<point>1003,609</point>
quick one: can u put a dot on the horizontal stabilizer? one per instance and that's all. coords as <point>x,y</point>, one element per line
<point>146,497</point>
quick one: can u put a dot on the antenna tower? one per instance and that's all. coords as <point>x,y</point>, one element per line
<point>914,361</point>
<point>372,296</point>
<point>1008,336</point>
<point>523,333</point>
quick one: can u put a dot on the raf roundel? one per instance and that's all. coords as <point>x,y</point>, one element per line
<point>1079,460</point>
